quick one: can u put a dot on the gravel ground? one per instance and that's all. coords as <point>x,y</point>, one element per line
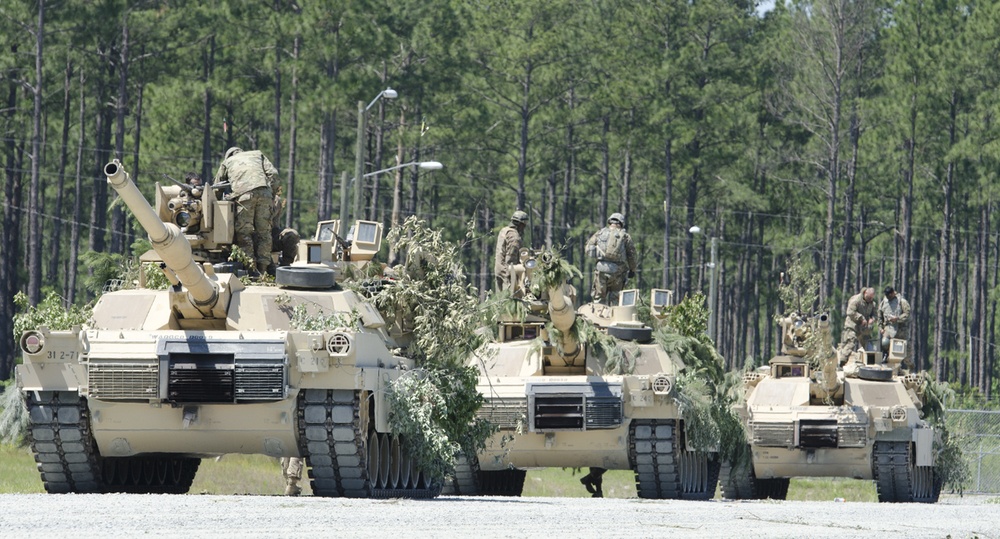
<point>119,515</point>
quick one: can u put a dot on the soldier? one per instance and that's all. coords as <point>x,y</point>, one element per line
<point>616,259</point>
<point>283,240</point>
<point>593,482</point>
<point>894,320</point>
<point>291,470</point>
<point>508,251</point>
<point>193,179</point>
<point>857,323</point>
<point>251,177</point>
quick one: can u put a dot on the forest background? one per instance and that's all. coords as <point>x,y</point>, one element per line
<point>858,135</point>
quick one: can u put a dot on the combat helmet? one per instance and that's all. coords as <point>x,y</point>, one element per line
<point>519,218</point>
<point>617,217</point>
<point>232,151</point>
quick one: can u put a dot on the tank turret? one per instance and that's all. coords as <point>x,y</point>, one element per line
<point>203,297</point>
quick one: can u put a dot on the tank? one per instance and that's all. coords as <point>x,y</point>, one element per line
<point>214,365</point>
<point>559,403</point>
<point>805,415</point>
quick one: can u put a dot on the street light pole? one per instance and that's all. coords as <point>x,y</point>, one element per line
<point>712,291</point>
<point>359,157</point>
<point>712,278</point>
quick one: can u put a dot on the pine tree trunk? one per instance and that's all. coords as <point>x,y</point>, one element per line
<point>290,204</point>
<point>34,191</point>
<point>74,237</point>
<point>57,210</point>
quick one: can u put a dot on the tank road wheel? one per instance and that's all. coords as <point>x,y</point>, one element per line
<point>346,457</point>
<point>898,479</point>
<point>699,474</point>
<point>395,460</point>
<point>60,437</point>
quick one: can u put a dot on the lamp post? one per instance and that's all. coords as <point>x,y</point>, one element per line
<point>711,282</point>
<point>359,156</point>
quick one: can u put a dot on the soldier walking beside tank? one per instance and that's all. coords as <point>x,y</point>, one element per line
<point>508,251</point>
<point>616,259</point>
<point>857,323</point>
<point>251,177</point>
<point>894,321</point>
<point>291,470</point>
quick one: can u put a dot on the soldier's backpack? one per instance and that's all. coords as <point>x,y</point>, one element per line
<point>611,245</point>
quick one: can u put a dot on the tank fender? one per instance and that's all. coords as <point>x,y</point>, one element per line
<point>51,360</point>
<point>923,444</point>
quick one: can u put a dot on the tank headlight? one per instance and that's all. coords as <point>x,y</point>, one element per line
<point>182,219</point>
<point>339,344</point>
<point>530,263</point>
<point>32,342</point>
<point>662,384</point>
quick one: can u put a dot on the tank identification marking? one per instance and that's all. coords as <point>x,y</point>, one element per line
<point>61,355</point>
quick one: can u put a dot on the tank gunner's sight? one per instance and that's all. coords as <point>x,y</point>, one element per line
<point>185,208</point>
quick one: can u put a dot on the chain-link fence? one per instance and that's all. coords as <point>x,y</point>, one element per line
<point>978,434</point>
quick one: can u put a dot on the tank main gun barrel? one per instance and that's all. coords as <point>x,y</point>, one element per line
<point>828,356</point>
<point>562,314</point>
<point>167,239</point>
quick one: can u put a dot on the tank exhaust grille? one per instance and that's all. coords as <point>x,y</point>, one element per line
<point>604,413</point>
<point>122,381</point>
<point>260,382</point>
<point>574,406</point>
<point>852,435</point>
<point>772,434</point>
<point>201,382</point>
<point>505,413</point>
<point>559,413</point>
<point>816,433</point>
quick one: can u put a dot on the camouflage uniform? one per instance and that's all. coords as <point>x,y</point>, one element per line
<point>291,470</point>
<point>894,321</point>
<point>857,328</point>
<point>283,240</point>
<point>251,177</point>
<point>508,251</point>
<point>611,270</point>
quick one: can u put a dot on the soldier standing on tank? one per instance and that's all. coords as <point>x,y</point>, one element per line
<point>616,259</point>
<point>283,240</point>
<point>508,251</point>
<point>894,320</point>
<point>857,323</point>
<point>251,177</point>
<point>291,470</point>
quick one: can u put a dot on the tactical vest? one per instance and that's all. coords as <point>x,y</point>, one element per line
<point>611,245</point>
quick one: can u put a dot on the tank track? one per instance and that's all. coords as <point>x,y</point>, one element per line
<point>66,457</point>
<point>662,470</point>
<point>898,480</point>
<point>745,485</point>
<point>336,448</point>
<point>464,481</point>
<point>502,482</point>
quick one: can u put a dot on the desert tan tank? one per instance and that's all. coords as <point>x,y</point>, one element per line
<point>558,403</point>
<point>162,378</point>
<point>806,416</point>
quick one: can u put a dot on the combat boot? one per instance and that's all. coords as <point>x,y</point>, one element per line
<point>292,489</point>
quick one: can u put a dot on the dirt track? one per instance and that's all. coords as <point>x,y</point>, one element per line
<point>41,515</point>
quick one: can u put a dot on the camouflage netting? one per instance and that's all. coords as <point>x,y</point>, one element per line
<point>429,295</point>
<point>951,465</point>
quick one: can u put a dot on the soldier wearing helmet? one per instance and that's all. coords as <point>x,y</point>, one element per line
<point>616,259</point>
<point>857,323</point>
<point>508,249</point>
<point>894,320</point>
<point>251,177</point>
